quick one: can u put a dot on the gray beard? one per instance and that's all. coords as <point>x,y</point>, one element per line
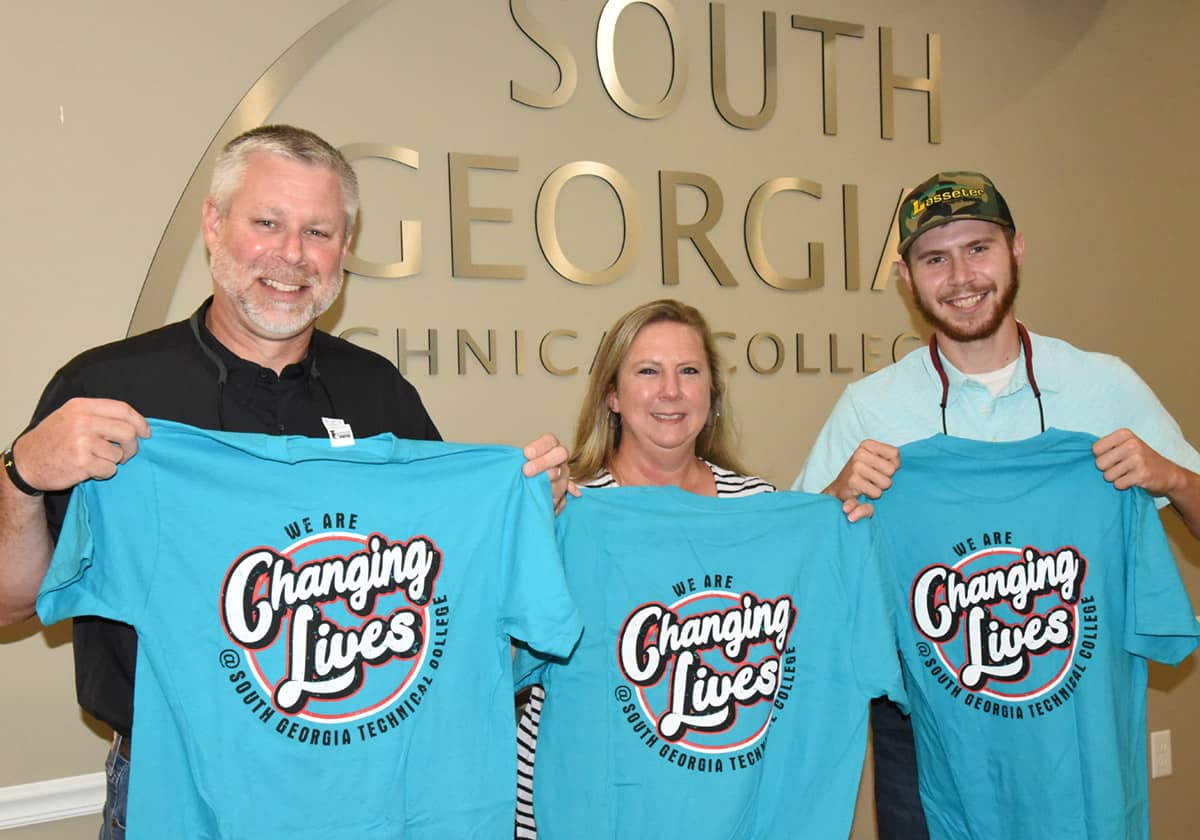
<point>273,321</point>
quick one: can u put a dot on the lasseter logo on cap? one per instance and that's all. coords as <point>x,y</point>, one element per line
<point>948,197</point>
<point>946,193</point>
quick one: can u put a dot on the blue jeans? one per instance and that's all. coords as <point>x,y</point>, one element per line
<point>898,811</point>
<point>116,768</point>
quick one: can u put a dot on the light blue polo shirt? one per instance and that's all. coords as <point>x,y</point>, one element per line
<point>1083,392</point>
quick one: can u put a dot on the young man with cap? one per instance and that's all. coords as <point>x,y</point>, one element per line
<point>984,377</point>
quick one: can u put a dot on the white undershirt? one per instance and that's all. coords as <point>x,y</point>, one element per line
<point>996,380</point>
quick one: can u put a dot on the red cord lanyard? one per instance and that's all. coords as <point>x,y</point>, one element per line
<point>1022,333</point>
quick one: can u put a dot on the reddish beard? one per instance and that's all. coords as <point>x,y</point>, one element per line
<point>983,331</point>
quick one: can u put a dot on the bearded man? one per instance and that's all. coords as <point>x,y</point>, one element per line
<point>983,377</point>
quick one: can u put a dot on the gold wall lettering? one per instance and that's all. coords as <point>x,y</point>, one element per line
<point>753,352</point>
<point>890,82</point>
<point>606,33</point>
<point>673,230</point>
<point>560,54</point>
<point>466,343</point>
<point>754,238</point>
<point>409,263</point>
<point>695,232</point>
<point>720,76</point>
<point>830,30</point>
<point>545,212</point>
<point>462,214</point>
<point>562,353</point>
<point>403,351</point>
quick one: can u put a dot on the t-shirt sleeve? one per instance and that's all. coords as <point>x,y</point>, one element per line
<point>529,667</point>
<point>64,386</point>
<point>103,562</point>
<point>872,624</point>
<point>837,440</point>
<point>536,606</point>
<point>1160,622</point>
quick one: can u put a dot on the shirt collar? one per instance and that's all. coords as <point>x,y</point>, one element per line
<point>1044,369</point>
<point>236,365</point>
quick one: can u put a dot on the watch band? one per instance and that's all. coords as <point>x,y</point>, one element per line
<point>10,467</point>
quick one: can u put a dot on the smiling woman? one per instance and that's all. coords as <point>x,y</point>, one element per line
<point>655,414</point>
<point>655,411</point>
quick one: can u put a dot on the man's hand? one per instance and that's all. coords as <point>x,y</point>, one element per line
<point>868,473</point>
<point>1127,461</point>
<point>84,438</point>
<point>547,455</point>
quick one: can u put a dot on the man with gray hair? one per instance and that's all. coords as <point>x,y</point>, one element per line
<point>277,224</point>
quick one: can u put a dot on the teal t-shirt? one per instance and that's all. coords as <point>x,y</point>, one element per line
<point>720,688</point>
<point>1030,594</point>
<point>323,633</point>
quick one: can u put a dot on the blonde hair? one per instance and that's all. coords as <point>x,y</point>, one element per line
<point>598,430</point>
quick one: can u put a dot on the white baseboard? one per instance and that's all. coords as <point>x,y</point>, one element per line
<point>55,799</point>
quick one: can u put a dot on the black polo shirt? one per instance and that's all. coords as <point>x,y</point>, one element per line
<point>181,372</point>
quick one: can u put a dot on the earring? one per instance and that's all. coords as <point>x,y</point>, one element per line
<point>714,411</point>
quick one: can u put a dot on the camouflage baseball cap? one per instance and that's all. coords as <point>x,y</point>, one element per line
<point>949,197</point>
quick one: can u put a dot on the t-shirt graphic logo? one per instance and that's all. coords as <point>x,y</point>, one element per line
<point>323,616</point>
<point>1005,620</point>
<point>707,667</point>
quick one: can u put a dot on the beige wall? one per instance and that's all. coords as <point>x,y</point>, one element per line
<point>1083,111</point>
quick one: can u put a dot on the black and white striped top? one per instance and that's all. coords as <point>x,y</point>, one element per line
<point>729,485</point>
